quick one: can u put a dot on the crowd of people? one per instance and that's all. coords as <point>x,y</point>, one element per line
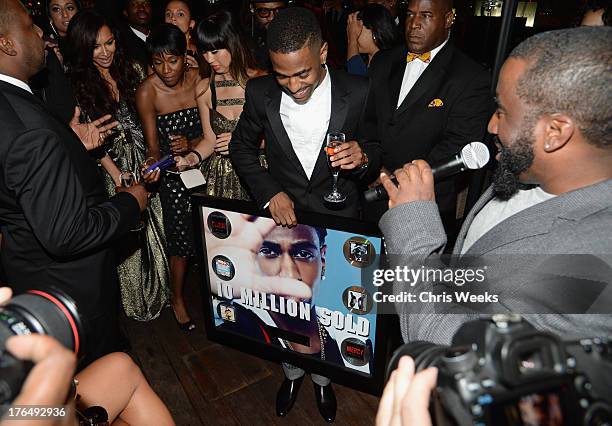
<point>91,97</point>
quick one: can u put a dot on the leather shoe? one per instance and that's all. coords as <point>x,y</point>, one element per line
<point>326,401</point>
<point>286,395</point>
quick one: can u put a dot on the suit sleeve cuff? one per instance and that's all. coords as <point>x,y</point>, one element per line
<point>413,228</point>
<point>129,211</point>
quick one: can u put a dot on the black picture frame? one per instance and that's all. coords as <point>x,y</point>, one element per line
<point>369,383</point>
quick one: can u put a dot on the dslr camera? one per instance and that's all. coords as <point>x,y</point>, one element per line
<point>48,312</point>
<point>502,371</point>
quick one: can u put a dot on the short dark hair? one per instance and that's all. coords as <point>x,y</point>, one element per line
<point>6,16</point>
<point>568,72</point>
<point>166,38</point>
<point>378,19</point>
<point>292,29</point>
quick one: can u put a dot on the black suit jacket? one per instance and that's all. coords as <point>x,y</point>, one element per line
<point>133,47</point>
<point>416,129</point>
<point>55,217</point>
<point>285,173</point>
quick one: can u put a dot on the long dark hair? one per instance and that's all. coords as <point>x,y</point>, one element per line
<point>377,19</point>
<point>93,93</point>
<point>219,31</point>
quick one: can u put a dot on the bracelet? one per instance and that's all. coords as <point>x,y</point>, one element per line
<point>197,155</point>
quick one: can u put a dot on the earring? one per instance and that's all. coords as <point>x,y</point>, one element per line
<point>323,273</point>
<point>547,146</point>
<point>374,37</point>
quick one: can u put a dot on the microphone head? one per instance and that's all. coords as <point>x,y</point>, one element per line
<point>475,155</point>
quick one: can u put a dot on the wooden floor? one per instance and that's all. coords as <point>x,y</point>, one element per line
<point>204,383</point>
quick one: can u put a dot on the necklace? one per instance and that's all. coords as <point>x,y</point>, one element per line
<point>322,339</point>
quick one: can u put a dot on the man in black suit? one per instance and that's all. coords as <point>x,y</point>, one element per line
<point>427,99</point>
<point>55,218</point>
<point>138,15</point>
<point>295,108</point>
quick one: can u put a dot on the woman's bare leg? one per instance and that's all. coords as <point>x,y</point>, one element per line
<point>178,270</point>
<point>116,383</point>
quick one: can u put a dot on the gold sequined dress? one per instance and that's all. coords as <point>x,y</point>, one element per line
<point>143,269</point>
<point>221,179</point>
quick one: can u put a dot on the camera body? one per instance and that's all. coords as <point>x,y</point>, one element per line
<point>504,372</point>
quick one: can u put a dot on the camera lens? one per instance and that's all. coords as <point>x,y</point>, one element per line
<point>424,354</point>
<point>599,414</point>
<point>49,312</point>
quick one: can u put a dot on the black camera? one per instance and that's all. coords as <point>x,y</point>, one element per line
<point>502,371</point>
<point>48,312</point>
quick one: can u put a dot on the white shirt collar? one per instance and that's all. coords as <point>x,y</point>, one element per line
<point>15,82</point>
<point>139,34</point>
<point>435,51</point>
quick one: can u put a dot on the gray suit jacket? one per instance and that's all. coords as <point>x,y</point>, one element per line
<point>529,261</point>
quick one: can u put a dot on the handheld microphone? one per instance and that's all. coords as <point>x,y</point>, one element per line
<point>474,155</point>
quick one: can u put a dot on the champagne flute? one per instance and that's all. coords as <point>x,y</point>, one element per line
<point>129,178</point>
<point>334,139</point>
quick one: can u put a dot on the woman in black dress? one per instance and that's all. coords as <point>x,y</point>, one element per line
<point>169,114</point>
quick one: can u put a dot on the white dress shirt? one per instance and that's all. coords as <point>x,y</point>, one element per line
<point>413,71</point>
<point>307,124</point>
<point>139,34</point>
<point>496,211</point>
<point>15,82</point>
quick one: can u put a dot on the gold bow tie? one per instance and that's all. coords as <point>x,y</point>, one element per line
<point>424,57</point>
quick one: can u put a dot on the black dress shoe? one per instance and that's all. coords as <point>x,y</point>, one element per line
<point>326,401</point>
<point>286,395</point>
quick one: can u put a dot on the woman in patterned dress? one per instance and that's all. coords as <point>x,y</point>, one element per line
<point>169,115</point>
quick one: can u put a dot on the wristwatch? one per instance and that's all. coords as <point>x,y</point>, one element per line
<point>364,161</point>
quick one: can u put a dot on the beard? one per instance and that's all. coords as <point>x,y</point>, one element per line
<point>514,160</point>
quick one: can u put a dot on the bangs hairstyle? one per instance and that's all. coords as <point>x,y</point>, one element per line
<point>166,39</point>
<point>219,31</point>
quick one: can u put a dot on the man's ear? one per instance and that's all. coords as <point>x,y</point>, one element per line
<point>449,19</point>
<point>192,24</point>
<point>323,53</point>
<point>7,46</point>
<point>559,129</point>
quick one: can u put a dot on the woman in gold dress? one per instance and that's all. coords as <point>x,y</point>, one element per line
<point>228,64</point>
<point>104,82</point>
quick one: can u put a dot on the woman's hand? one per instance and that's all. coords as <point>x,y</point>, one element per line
<point>152,176</point>
<point>353,27</point>
<point>222,143</point>
<point>188,161</point>
<point>179,144</point>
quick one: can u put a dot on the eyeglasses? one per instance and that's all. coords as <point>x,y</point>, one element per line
<point>264,12</point>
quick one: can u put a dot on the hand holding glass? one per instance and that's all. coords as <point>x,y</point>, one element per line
<point>334,139</point>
